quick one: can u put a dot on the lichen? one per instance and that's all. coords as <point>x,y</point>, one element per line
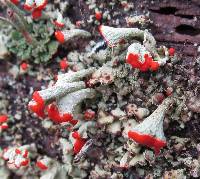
<point>108,107</point>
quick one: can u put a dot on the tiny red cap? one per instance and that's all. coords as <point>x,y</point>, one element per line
<point>76,135</point>
<point>154,66</point>
<point>36,14</point>
<point>27,7</point>
<point>41,165</point>
<point>58,24</point>
<point>3,118</point>
<point>60,36</point>
<point>89,114</point>
<point>24,66</point>
<point>25,163</point>
<point>17,151</point>
<point>171,51</point>
<point>147,140</point>
<point>79,143</point>
<point>133,60</point>
<point>63,64</point>
<point>98,16</point>
<point>16,2</point>
<point>4,126</point>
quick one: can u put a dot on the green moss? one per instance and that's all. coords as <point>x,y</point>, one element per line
<point>45,46</point>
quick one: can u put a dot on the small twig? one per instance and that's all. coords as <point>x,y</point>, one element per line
<point>20,23</point>
<point>6,20</point>
<point>17,11</point>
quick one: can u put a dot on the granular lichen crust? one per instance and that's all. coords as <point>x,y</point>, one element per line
<point>119,103</point>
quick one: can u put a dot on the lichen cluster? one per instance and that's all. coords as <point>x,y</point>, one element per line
<point>107,112</point>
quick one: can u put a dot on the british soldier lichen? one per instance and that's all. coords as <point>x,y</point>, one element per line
<point>99,109</point>
<point>141,54</point>
<point>66,94</point>
<point>150,131</point>
<point>66,35</point>
<point>18,157</point>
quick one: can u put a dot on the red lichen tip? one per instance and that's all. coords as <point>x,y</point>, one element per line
<point>133,60</point>
<point>55,116</point>
<point>24,163</point>
<point>36,14</point>
<point>89,114</point>
<point>79,143</point>
<point>37,105</point>
<point>73,122</point>
<point>76,135</point>
<point>36,108</point>
<point>24,66</point>
<point>147,140</point>
<point>154,66</point>
<point>66,117</point>
<point>146,65</point>
<point>27,7</point>
<point>60,36</point>
<point>4,126</point>
<point>53,113</point>
<point>16,157</point>
<point>40,4</point>
<point>41,166</point>
<point>25,155</point>
<point>16,2</point>
<point>171,51</point>
<point>17,151</point>
<point>3,118</point>
<point>64,64</point>
<point>58,24</point>
<point>98,15</point>
<point>38,98</point>
<point>101,31</point>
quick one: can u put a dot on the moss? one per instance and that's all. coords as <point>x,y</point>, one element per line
<point>44,50</point>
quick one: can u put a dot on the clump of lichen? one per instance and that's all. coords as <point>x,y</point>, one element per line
<point>107,136</point>
<point>42,52</point>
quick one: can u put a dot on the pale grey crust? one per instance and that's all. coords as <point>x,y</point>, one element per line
<point>153,125</point>
<point>68,103</point>
<point>114,35</point>
<point>60,90</point>
<point>59,19</point>
<point>74,76</point>
<point>66,83</point>
<point>73,33</point>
